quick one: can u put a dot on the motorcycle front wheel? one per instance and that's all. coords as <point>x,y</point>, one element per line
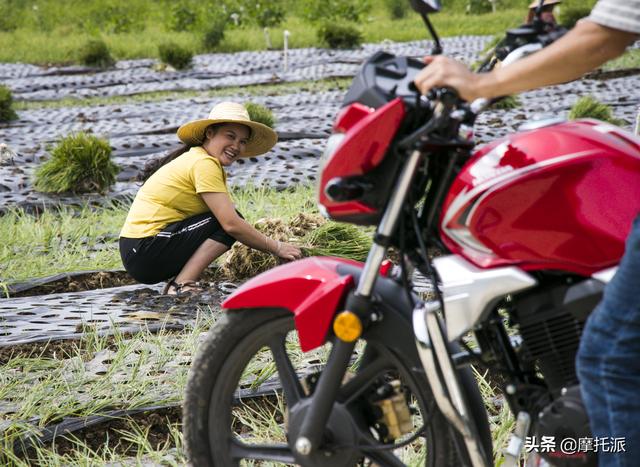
<point>230,419</point>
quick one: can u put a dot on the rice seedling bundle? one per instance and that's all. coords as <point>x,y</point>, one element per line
<point>80,163</point>
<point>314,235</point>
<point>302,223</point>
<point>590,107</point>
<point>337,239</point>
<point>260,113</point>
<point>242,261</point>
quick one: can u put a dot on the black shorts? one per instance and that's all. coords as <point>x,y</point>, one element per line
<point>154,259</point>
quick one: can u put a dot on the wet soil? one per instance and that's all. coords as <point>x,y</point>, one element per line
<point>109,434</point>
<point>603,75</point>
<point>84,281</point>
<point>74,282</point>
<point>58,350</point>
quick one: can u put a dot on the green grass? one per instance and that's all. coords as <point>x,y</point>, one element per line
<point>149,369</point>
<point>331,84</point>
<point>144,370</point>
<point>590,107</point>
<point>57,241</point>
<point>630,59</point>
<point>62,240</point>
<point>507,103</point>
<point>60,44</point>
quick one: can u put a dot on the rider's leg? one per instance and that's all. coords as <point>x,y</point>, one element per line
<point>608,363</point>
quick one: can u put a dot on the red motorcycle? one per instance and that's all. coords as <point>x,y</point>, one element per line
<point>532,226</point>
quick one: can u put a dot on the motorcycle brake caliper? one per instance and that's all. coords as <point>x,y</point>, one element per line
<point>396,415</point>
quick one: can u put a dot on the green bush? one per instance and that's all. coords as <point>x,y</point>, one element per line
<point>79,163</point>
<point>397,8</point>
<point>478,7</point>
<point>233,11</point>
<point>6,105</point>
<point>569,16</point>
<point>589,107</point>
<point>182,18</point>
<point>346,10</point>
<point>174,55</point>
<point>96,53</point>
<point>214,35</point>
<point>507,103</point>
<point>266,14</point>
<point>11,14</point>
<point>259,113</point>
<point>340,36</point>
<point>115,16</point>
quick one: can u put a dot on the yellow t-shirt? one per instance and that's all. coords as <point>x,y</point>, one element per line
<point>172,193</point>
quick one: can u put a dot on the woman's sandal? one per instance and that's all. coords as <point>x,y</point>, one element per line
<point>190,286</point>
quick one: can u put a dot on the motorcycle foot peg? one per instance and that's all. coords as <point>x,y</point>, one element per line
<point>516,443</point>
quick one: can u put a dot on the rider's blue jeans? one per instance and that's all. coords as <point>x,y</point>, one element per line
<point>608,361</point>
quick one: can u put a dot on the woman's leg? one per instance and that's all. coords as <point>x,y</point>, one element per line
<point>201,259</point>
<point>182,250</point>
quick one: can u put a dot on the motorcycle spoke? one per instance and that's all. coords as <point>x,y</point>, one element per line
<point>275,452</point>
<point>361,380</point>
<point>288,378</point>
<point>386,458</point>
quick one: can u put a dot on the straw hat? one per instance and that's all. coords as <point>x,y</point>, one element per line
<point>535,3</point>
<point>261,140</point>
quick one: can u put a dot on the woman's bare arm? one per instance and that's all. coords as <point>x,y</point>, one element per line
<point>223,209</point>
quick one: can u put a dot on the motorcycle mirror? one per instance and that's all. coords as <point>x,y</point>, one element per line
<point>426,6</point>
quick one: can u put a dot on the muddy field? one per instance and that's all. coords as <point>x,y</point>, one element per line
<point>82,320</point>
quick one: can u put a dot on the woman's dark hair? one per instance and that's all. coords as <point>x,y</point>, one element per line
<point>152,166</point>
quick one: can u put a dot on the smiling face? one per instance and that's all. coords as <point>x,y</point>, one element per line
<point>227,142</point>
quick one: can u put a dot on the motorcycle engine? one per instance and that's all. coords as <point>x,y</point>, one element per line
<point>564,422</point>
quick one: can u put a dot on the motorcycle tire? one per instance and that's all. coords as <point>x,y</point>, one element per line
<point>210,430</point>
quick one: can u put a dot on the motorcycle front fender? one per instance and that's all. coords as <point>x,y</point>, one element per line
<point>312,289</point>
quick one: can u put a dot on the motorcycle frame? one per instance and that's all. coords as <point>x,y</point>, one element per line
<point>360,302</point>
<point>470,296</point>
<point>470,299</point>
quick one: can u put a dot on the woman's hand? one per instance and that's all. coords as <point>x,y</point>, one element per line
<point>223,209</point>
<point>287,251</point>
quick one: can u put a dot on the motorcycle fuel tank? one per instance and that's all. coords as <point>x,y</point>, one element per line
<point>560,197</point>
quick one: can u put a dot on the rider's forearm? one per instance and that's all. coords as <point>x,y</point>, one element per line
<point>582,49</point>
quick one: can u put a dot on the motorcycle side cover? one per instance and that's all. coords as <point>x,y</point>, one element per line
<point>559,197</point>
<point>312,289</point>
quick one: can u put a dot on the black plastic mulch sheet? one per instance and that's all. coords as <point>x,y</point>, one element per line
<point>302,118</point>
<point>75,424</point>
<point>143,132</point>
<point>211,71</point>
<point>128,309</point>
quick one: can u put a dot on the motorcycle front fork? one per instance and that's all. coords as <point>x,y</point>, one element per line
<point>430,339</point>
<point>313,427</point>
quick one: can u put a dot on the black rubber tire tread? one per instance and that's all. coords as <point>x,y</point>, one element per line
<point>205,372</point>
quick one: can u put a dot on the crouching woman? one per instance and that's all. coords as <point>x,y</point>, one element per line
<point>183,218</point>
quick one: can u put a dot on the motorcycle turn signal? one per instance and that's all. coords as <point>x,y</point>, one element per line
<point>347,326</point>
